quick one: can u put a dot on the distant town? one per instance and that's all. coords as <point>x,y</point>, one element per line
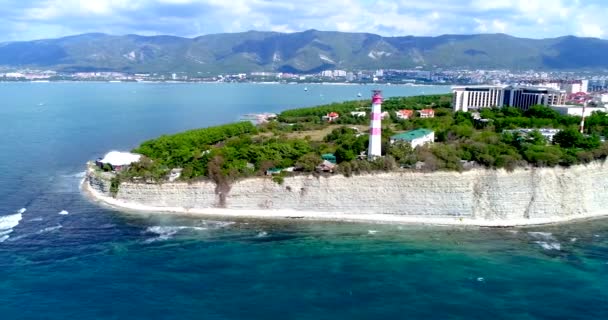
<point>569,86</point>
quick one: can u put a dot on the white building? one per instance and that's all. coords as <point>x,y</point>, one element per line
<point>572,110</point>
<point>577,86</point>
<point>547,133</point>
<point>477,97</point>
<point>415,138</point>
<point>118,160</point>
<point>358,113</point>
<point>522,97</point>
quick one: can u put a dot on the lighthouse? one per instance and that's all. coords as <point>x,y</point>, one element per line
<point>375,135</point>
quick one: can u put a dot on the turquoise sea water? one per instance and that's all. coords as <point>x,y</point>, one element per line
<point>95,263</point>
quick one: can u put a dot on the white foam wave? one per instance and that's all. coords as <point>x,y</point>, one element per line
<point>542,235</point>
<point>50,229</point>
<point>7,223</point>
<point>63,212</point>
<point>549,245</point>
<point>167,232</point>
<point>210,224</point>
<point>372,231</point>
<point>546,240</point>
<point>262,234</point>
<point>81,174</point>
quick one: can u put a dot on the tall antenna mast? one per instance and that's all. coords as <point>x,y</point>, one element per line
<point>582,126</point>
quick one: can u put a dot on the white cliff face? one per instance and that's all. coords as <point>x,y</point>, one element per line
<point>534,194</point>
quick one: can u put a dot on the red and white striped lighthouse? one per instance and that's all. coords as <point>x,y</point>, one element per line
<point>375,132</point>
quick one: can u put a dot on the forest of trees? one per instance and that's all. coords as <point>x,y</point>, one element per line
<point>228,152</point>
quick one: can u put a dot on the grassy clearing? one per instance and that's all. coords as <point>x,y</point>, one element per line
<point>319,135</point>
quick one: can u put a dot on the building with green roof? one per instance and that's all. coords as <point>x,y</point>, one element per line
<point>329,157</point>
<point>416,137</point>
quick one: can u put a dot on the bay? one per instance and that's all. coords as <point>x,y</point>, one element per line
<point>62,256</point>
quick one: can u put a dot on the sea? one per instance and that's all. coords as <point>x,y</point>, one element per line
<point>63,256</point>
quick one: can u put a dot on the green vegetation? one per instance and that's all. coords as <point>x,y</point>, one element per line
<point>114,185</point>
<point>233,151</point>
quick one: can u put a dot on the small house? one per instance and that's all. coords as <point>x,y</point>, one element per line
<point>358,114</point>
<point>326,166</point>
<point>273,171</point>
<point>404,114</point>
<point>415,138</point>
<point>427,113</point>
<point>332,116</point>
<point>384,115</point>
<point>175,173</point>
<point>329,157</point>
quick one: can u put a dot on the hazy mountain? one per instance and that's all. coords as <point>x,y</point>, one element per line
<point>301,52</point>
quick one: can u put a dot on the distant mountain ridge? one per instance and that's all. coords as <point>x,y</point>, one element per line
<point>302,52</point>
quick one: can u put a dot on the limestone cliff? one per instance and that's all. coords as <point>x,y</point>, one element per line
<point>531,194</point>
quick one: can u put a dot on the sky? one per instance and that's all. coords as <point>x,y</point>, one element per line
<point>40,19</point>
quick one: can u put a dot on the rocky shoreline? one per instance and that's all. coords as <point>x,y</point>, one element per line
<point>478,197</point>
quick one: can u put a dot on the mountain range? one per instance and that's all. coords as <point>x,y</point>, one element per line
<point>302,52</point>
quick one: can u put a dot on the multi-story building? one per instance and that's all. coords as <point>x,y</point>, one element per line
<point>522,97</point>
<point>477,97</point>
<point>576,86</point>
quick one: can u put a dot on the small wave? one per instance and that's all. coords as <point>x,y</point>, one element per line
<point>549,245</point>
<point>81,174</point>
<point>216,224</point>
<point>573,239</point>
<point>262,234</point>
<point>63,212</point>
<point>542,235</point>
<point>7,223</point>
<point>50,229</point>
<point>481,279</point>
<point>167,232</point>
<point>372,231</point>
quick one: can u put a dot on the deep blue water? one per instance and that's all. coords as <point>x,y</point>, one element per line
<point>95,263</point>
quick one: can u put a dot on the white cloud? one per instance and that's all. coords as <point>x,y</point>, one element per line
<point>525,18</point>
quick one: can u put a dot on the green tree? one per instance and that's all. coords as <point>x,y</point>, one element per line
<point>568,138</point>
<point>342,154</point>
<point>309,162</point>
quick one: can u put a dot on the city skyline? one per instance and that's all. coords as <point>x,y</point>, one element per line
<point>40,19</point>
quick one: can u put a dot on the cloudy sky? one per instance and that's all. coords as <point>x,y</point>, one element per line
<point>36,19</point>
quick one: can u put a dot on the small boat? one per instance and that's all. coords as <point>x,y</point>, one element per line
<point>359,94</point>
<point>305,88</point>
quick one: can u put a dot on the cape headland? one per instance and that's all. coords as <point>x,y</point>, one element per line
<point>499,167</point>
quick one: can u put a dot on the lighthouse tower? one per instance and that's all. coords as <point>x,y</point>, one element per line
<point>375,135</point>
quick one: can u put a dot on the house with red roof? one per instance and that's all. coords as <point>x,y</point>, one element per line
<point>404,114</point>
<point>427,113</point>
<point>332,116</point>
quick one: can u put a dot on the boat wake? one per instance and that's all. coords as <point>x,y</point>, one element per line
<point>7,223</point>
